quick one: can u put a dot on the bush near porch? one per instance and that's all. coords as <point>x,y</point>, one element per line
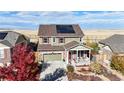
<point>96,68</point>
<point>94,46</point>
<point>117,63</point>
<point>70,68</point>
<point>70,72</point>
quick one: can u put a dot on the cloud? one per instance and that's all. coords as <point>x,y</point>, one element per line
<point>94,19</point>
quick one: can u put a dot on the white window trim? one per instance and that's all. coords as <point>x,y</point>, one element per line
<point>1,53</point>
<point>63,39</point>
<point>54,39</point>
<point>47,39</point>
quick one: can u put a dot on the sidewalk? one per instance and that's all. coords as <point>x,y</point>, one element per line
<point>118,74</point>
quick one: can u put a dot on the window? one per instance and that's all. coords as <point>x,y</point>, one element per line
<point>61,40</point>
<point>45,40</point>
<point>1,53</point>
<point>80,39</point>
<point>54,39</point>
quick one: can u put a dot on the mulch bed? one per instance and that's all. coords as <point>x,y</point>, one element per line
<point>84,70</point>
<point>84,77</point>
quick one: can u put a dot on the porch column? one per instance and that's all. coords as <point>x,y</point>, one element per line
<point>77,55</point>
<point>71,55</point>
<point>62,56</point>
<point>67,57</point>
<point>89,53</point>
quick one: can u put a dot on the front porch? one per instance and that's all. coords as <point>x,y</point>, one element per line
<point>79,56</point>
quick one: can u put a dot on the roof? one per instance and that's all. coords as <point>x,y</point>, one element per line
<point>7,43</point>
<point>13,38</point>
<point>71,44</point>
<point>2,35</point>
<point>49,47</point>
<point>115,42</point>
<point>50,30</point>
<point>3,45</point>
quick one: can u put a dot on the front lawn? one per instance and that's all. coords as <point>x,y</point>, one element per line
<point>92,74</point>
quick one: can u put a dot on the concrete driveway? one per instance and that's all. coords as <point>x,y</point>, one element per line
<point>50,67</point>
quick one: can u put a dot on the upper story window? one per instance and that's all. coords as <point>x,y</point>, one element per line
<point>45,40</point>
<point>61,40</point>
<point>53,39</point>
<point>80,39</point>
<point>1,53</point>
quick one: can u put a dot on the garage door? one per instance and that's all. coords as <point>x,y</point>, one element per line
<point>52,57</point>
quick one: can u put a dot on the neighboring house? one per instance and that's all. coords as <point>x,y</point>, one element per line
<point>62,43</point>
<point>8,40</point>
<point>112,45</point>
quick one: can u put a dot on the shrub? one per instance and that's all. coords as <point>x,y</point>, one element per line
<point>96,68</point>
<point>23,66</point>
<point>94,46</point>
<point>70,68</point>
<point>60,72</point>
<point>117,63</point>
<point>70,72</point>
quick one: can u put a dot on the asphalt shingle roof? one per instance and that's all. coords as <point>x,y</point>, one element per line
<point>49,47</point>
<point>13,38</point>
<point>115,42</point>
<point>71,44</point>
<point>51,30</point>
<point>5,42</point>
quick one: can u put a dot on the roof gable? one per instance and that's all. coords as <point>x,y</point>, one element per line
<point>12,38</point>
<point>20,39</point>
<point>80,47</point>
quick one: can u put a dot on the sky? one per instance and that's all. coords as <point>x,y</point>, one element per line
<point>86,19</point>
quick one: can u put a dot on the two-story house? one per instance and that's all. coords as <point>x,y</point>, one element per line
<point>62,43</point>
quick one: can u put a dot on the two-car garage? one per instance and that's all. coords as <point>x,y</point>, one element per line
<point>48,52</point>
<point>52,57</point>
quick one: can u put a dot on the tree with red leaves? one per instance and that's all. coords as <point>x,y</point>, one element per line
<point>23,66</point>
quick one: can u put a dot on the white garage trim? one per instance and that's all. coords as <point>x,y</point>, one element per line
<point>54,52</point>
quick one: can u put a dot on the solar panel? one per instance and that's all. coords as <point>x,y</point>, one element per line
<point>65,29</point>
<point>3,35</point>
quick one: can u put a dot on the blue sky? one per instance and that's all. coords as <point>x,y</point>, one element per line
<point>86,19</point>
